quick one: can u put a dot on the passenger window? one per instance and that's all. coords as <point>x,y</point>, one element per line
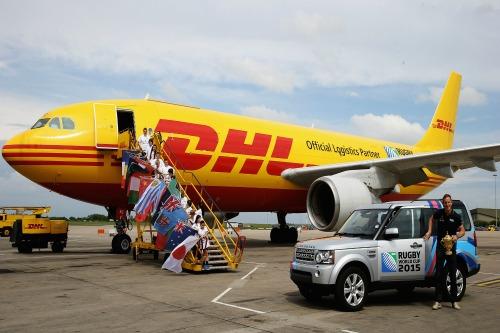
<point>40,123</point>
<point>408,223</point>
<point>68,123</point>
<point>465,217</point>
<point>54,123</point>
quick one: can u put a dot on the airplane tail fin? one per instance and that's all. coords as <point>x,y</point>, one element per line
<point>439,135</point>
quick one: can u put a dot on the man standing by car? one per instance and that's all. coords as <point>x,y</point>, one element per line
<point>447,223</point>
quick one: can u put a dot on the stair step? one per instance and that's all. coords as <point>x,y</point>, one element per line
<point>216,262</point>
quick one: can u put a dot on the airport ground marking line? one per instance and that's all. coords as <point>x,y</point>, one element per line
<point>221,294</point>
<point>253,270</point>
<point>216,299</point>
<point>240,307</point>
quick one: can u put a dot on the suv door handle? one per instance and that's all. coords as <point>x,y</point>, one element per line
<point>415,245</point>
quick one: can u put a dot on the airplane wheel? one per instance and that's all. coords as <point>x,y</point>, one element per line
<point>275,232</point>
<point>121,243</point>
<point>292,235</point>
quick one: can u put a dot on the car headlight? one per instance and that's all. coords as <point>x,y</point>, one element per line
<point>325,257</point>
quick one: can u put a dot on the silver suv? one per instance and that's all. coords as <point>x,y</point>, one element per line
<point>380,246</point>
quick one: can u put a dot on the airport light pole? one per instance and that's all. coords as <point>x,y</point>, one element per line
<point>496,213</point>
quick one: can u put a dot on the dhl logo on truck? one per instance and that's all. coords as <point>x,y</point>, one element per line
<point>444,125</point>
<point>234,143</point>
<point>36,226</point>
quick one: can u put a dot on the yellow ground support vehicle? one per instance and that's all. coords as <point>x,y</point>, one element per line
<point>9,215</point>
<point>36,231</point>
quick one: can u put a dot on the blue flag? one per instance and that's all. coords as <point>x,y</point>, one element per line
<point>179,234</point>
<point>168,219</point>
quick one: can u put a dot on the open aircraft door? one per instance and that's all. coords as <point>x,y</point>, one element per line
<point>106,126</point>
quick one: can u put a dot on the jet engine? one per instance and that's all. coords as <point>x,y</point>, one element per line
<point>331,199</point>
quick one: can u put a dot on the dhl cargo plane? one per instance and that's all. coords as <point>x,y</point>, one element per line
<point>246,164</point>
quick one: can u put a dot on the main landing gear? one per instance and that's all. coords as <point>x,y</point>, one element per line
<point>283,233</point>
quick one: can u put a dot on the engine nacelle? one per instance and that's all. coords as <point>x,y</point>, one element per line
<point>331,199</point>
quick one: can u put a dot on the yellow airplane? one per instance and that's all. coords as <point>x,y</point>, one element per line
<point>246,164</point>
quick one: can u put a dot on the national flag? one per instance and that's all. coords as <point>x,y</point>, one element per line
<point>161,241</point>
<point>180,232</point>
<point>126,156</point>
<point>166,220</point>
<point>173,188</point>
<point>174,261</point>
<point>133,189</point>
<point>149,199</point>
<point>172,203</point>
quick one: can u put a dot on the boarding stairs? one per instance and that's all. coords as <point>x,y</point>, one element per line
<point>226,244</point>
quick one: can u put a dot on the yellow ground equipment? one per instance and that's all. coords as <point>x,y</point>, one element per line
<point>145,241</point>
<point>9,215</point>
<point>37,231</point>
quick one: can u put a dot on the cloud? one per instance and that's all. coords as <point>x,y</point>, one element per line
<point>468,96</point>
<point>263,112</point>
<point>388,127</point>
<point>295,45</point>
<point>26,110</point>
<point>472,97</point>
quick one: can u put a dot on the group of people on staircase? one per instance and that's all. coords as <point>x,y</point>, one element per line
<point>150,153</point>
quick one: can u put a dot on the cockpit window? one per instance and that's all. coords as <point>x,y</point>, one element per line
<point>54,123</point>
<point>40,123</point>
<point>68,123</point>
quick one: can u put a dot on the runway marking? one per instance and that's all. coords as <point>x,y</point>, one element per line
<point>216,299</point>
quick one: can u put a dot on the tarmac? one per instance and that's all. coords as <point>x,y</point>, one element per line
<point>88,289</point>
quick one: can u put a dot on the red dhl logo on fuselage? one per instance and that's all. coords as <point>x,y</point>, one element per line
<point>35,226</point>
<point>443,125</point>
<point>233,144</point>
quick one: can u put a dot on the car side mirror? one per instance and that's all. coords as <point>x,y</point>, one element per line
<point>391,233</point>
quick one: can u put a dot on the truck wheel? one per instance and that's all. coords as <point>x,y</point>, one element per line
<point>310,294</point>
<point>351,289</point>
<point>121,243</point>
<point>24,247</point>
<point>57,247</point>
<point>6,232</point>
<point>461,283</point>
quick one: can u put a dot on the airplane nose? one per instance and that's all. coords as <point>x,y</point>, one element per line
<point>13,148</point>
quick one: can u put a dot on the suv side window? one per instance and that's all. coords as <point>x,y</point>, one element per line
<point>408,222</point>
<point>459,209</point>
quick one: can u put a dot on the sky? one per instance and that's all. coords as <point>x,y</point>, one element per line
<point>337,65</point>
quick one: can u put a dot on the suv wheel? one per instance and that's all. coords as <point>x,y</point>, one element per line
<point>461,283</point>
<point>351,289</point>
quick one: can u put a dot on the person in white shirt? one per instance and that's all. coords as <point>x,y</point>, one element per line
<point>204,242</point>
<point>143,140</point>
<point>159,166</point>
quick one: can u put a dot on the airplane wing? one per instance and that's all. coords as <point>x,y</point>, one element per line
<point>408,168</point>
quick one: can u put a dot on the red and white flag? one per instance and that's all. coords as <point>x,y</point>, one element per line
<point>174,261</point>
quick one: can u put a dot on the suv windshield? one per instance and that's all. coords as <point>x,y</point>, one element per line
<point>363,223</point>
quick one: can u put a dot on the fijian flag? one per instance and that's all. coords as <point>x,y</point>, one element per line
<point>149,199</point>
<point>180,232</point>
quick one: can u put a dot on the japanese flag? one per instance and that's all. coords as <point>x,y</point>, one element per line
<point>174,262</point>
